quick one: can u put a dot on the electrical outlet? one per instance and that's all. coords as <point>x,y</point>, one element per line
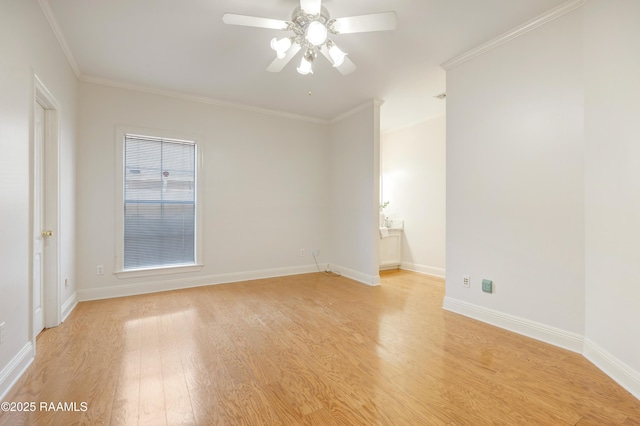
<point>302,252</point>
<point>466,281</point>
<point>99,270</point>
<point>3,335</point>
<point>316,253</point>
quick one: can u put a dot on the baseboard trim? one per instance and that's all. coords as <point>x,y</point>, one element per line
<point>425,270</point>
<point>69,305</point>
<point>620,372</point>
<point>371,280</point>
<point>15,369</point>
<point>182,283</point>
<point>535,330</point>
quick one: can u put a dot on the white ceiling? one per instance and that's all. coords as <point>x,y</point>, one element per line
<point>183,46</point>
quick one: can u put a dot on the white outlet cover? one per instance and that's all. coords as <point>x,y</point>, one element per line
<point>466,281</point>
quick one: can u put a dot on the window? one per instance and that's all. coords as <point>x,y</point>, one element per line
<point>157,210</point>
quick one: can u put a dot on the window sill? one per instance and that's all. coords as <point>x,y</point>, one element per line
<point>167,270</point>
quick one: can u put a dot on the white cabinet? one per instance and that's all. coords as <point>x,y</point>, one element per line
<point>390,248</point>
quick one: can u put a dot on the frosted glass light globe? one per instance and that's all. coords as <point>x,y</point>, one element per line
<point>316,33</point>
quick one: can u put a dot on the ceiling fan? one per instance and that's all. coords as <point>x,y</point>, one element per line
<point>311,26</point>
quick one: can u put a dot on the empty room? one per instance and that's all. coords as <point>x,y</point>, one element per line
<point>306,212</point>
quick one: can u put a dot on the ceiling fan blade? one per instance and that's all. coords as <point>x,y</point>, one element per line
<point>384,21</point>
<point>347,67</point>
<point>312,7</point>
<point>278,64</point>
<point>253,21</point>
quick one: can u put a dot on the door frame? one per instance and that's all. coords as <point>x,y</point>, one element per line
<point>51,220</point>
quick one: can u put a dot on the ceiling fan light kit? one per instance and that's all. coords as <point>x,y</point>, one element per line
<point>316,33</point>
<point>311,26</point>
<point>337,55</point>
<point>281,46</point>
<point>305,63</point>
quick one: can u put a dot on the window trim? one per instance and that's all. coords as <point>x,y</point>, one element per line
<point>119,271</point>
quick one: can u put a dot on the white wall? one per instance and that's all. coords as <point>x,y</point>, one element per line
<point>354,191</point>
<point>29,47</point>
<point>515,190</point>
<point>265,181</point>
<point>413,163</point>
<point>612,172</point>
<point>543,176</point>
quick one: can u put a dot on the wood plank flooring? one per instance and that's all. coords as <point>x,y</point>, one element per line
<point>306,350</point>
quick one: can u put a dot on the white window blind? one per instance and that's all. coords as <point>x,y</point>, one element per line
<point>159,202</point>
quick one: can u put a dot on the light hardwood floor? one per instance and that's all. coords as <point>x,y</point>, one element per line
<point>309,349</point>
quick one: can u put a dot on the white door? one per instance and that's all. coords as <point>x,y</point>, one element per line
<point>39,234</point>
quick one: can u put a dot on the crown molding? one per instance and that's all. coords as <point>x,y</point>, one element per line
<point>199,99</point>
<point>53,23</point>
<point>374,102</point>
<point>549,16</point>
